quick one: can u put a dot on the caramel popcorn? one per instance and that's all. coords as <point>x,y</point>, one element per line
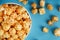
<point>34,11</point>
<point>50,22</point>
<point>45,29</point>
<point>50,7</point>
<point>55,19</point>
<point>34,5</point>
<point>42,11</point>
<point>15,22</point>
<point>42,3</point>
<point>57,32</point>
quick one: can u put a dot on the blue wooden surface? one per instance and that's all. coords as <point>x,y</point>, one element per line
<point>39,21</point>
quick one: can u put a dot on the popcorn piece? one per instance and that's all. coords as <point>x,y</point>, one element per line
<point>5,26</point>
<point>14,15</point>
<point>5,17</point>
<point>45,29</point>
<point>17,39</point>
<point>34,5</point>
<point>42,3</point>
<point>42,11</point>
<point>20,33</point>
<point>1,13</point>
<point>20,9</point>
<point>34,11</point>
<point>10,38</point>
<point>12,31</point>
<point>54,18</point>
<point>50,22</point>
<point>1,8</point>
<point>9,11</point>
<point>15,36</point>
<point>25,2</point>
<point>25,15</point>
<point>57,32</point>
<point>5,5</point>
<point>1,32</point>
<point>1,19</point>
<point>18,26</point>
<point>6,35</point>
<point>19,17</point>
<point>23,37</point>
<point>50,7</point>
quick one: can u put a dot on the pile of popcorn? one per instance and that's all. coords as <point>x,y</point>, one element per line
<point>14,22</point>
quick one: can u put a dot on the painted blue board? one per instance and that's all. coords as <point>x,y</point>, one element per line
<point>40,21</point>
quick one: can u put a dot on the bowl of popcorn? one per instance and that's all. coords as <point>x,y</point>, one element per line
<point>15,22</point>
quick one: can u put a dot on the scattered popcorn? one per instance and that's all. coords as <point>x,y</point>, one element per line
<point>42,3</point>
<point>50,22</point>
<point>34,11</point>
<point>42,11</point>
<point>34,5</point>
<point>25,2</point>
<point>55,19</point>
<point>50,7</point>
<point>45,29</point>
<point>57,32</point>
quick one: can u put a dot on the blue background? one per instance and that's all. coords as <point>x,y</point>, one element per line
<point>40,21</point>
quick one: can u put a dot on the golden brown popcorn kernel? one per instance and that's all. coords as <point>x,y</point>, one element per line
<point>15,36</point>
<point>57,32</point>
<point>6,35</point>
<point>10,38</point>
<point>1,19</point>
<point>12,31</point>
<point>34,5</point>
<point>50,22</point>
<point>55,19</point>
<point>34,11</point>
<point>50,7</point>
<point>5,26</point>
<point>5,5</point>
<point>1,32</point>
<point>20,9</point>
<point>42,3</point>
<point>18,26</point>
<point>45,29</point>
<point>1,8</point>
<point>1,14</point>
<point>42,11</point>
<point>25,2</point>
